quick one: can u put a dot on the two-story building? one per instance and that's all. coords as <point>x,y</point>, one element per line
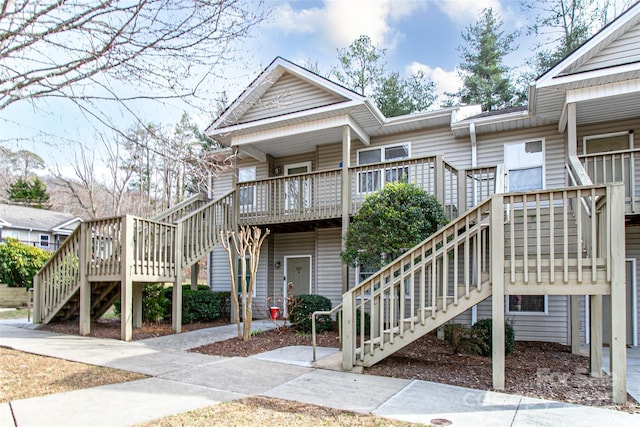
<point>310,151</point>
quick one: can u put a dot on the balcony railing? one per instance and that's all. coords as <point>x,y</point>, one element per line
<point>616,166</point>
<point>317,195</point>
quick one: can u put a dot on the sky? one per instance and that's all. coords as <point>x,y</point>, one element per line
<point>417,35</point>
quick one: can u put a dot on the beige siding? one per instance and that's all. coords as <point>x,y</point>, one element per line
<point>624,50</point>
<point>220,280</point>
<point>287,95</point>
<point>329,271</point>
<point>553,327</point>
<point>262,170</point>
<point>223,184</point>
<point>491,151</point>
<point>457,152</point>
<point>329,156</point>
<point>281,162</point>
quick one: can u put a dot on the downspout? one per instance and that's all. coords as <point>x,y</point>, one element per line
<point>474,163</point>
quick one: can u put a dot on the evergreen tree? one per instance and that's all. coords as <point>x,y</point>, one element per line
<point>361,69</point>
<point>485,77</point>
<point>361,65</point>
<point>30,192</point>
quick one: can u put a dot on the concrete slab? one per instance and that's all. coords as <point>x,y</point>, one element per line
<point>193,339</point>
<point>423,401</point>
<point>6,417</point>
<point>117,405</point>
<point>240,375</point>
<point>339,390</point>
<point>537,412</point>
<point>331,361</point>
<point>299,355</point>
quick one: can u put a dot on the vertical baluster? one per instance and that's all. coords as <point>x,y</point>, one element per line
<point>552,237</point>
<point>525,236</point>
<point>538,243</point>
<point>578,214</point>
<point>594,236</point>
<point>565,235</point>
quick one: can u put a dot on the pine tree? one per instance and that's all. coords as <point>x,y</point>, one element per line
<point>485,77</point>
<point>30,192</point>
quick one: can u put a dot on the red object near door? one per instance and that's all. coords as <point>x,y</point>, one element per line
<point>275,313</point>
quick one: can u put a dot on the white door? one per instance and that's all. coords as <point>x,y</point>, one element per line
<point>298,273</point>
<point>298,188</point>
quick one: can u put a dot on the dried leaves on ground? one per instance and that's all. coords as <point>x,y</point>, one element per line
<point>268,412</point>
<point>24,375</point>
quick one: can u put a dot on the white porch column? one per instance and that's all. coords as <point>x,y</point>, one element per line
<point>176,303</point>
<point>126,286</point>
<point>618,341</point>
<point>497,291</point>
<point>85,285</point>
<point>346,197</point>
<point>595,340</point>
<point>572,132</point>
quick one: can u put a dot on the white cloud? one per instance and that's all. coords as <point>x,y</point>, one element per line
<point>341,22</point>
<point>446,81</point>
<point>466,12</point>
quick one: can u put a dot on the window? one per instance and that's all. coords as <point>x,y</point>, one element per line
<point>44,241</point>
<point>527,304</point>
<point>246,195</point>
<point>607,158</point>
<point>373,180</point>
<point>525,165</point>
<point>524,162</point>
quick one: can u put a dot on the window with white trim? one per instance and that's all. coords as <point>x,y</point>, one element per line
<point>44,241</point>
<point>246,195</point>
<point>373,180</point>
<point>527,304</point>
<point>525,165</point>
<point>524,162</point>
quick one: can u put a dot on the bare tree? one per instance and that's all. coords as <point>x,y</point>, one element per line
<point>246,243</point>
<point>77,49</point>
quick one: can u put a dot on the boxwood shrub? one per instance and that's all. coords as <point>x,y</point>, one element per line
<point>302,307</point>
<point>202,305</point>
<point>481,330</point>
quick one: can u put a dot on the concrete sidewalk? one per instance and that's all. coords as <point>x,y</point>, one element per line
<point>181,381</point>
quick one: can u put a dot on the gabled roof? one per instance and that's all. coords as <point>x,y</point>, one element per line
<point>267,96</point>
<point>23,217</point>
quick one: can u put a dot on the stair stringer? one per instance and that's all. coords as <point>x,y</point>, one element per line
<point>420,330</point>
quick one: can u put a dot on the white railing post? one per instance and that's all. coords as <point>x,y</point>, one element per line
<point>617,342</point>
<point>176,305</point>
<point>497,295</point>
<point>126,288</point>
<point>348,331</point>
<point>85,286</point>
<point>439,179</point>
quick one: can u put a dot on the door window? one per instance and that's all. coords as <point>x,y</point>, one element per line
<point>298,189</point>
<point>246,195</point>
<point>373,180</point>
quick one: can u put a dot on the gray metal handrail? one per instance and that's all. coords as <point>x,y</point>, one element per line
<point>338,309</point>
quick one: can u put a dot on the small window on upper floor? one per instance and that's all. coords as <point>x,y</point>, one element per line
<point>246,195</point>
<point>44,241</point>
<point>374,179</point>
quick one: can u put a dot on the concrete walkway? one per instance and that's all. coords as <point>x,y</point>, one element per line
<point>181,381</point>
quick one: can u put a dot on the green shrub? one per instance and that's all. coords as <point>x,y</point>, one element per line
<point>302,307</point>
<point>154,302</point>
<point>482,332</point>
<point>202,305</point>
<point>461,339</point>
<point>19,262</point>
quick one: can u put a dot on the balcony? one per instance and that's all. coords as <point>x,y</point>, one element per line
<point>317,196</point>
<point>616,166</point>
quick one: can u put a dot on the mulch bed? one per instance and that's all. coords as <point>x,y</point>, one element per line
<point>536,369</point>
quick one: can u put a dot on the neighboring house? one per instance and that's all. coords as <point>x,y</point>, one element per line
<point>299,135</point>
<point>36,227</point>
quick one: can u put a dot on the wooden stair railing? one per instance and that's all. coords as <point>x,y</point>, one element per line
<point>528,243</point>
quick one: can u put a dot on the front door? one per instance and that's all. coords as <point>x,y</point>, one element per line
<point>630,300</point>
<point>298,273</point>
<point>297,187</point>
